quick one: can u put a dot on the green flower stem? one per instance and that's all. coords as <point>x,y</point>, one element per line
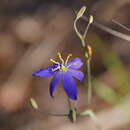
<point>86,30</point>
<point>78,33</point>
<point>88,75</point>
<point>82,37</point>
<point>69,104</point>
<point>53,114</point>
<point>89,81</point>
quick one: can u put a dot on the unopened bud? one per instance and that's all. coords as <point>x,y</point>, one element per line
<point>33,103</point>
<point>81,12</point>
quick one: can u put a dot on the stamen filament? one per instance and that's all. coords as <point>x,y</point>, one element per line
<point>56,68</point>
<point>71,65</point>
<point>68,58</point>
<point>55,62</point>
<point>60,57</point>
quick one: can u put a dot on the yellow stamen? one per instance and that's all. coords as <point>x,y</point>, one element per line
<point>55,62</point>
<point>68,58</point>
<point>60,57</point>
<point>56,68</point>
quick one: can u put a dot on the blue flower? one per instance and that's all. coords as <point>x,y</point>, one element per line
<point>64,72</point>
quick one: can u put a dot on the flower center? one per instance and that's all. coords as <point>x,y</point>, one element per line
<point>61,66</point>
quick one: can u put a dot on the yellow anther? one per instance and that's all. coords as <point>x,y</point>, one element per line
<point>59,54</point>
<point>68,58</point>
<point>56,68</point>
<point>55,62</point>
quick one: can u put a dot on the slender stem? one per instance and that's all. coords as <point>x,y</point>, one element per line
<point>76,30</point>
<point>69,104</point>
<point>89,81</point>
<point>88,57</point>
<point>88,62</point>
<point>88,68</point>
<point>50,114</point>
<point>83,43</point>
<point>86,30</point>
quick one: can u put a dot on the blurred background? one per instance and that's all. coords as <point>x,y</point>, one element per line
<point>31,32</point>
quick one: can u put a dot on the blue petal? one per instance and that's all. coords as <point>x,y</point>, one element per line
<point>69,85</point>
<point>77,74</point>
<point>77,63</point>
<point>54,83</point>
<point>44,72</point>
